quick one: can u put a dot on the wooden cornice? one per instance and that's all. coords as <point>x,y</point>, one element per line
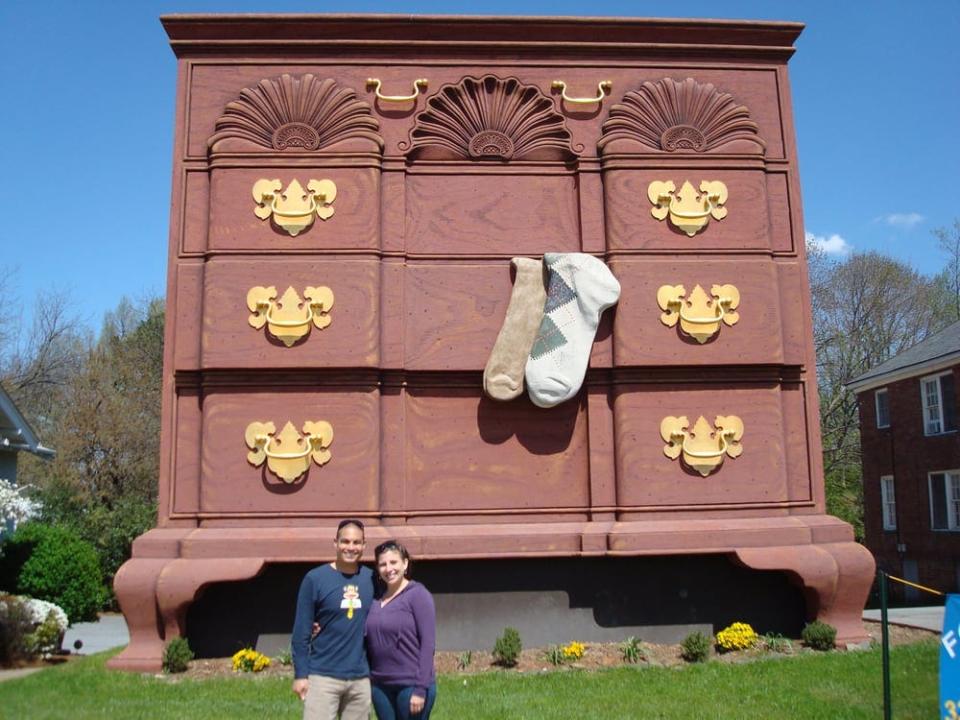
<point>463,35</point>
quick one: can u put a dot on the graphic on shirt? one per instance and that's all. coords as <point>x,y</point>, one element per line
<point>351,599</point>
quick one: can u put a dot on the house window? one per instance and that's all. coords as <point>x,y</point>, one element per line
<point>945,500</point>
<point>888,501</point>
<point>939,404</point>
<point>882,401</point>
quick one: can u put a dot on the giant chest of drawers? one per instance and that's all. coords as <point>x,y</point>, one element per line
<point>393,222</point>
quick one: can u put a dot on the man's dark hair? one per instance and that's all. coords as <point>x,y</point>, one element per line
<point>350,521</point>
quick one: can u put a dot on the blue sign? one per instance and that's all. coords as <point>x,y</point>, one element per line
<point>950,660</point>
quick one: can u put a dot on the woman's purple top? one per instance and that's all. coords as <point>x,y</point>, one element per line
<point>401,638</point>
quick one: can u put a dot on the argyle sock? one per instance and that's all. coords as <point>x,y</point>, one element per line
<point>580,287</point>
<point>503,375</point>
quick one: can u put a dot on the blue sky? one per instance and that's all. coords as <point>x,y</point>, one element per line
<point>87,118</point>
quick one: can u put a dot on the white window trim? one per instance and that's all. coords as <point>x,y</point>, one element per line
<point>946,498</point>
<point>886,501</point>
<point>876,407</point>
<point>923,403</point>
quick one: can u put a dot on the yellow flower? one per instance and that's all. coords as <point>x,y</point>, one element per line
<point>249,660</point>
<point>738,636</point>
<point>573,651</point>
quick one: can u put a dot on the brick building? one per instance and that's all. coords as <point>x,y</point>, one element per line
<point>911,462</point>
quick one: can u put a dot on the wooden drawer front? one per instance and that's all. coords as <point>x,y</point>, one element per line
<point>464,452</point>
<point>772,468</point>
<point>491,214</point>
<point>640,338</point>
<point>453,314</point>
<point>630,226</point>
<point>355,222</point>
<point>350,340</point>
<point>349,482</point>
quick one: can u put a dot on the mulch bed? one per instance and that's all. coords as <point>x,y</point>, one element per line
<point>597,656</point>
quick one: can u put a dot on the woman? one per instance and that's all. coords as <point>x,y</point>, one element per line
<point>401,637</point>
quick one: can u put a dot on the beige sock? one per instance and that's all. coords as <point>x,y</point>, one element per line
<point>503,375</point>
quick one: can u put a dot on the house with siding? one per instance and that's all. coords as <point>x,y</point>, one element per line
<point>911,462</point>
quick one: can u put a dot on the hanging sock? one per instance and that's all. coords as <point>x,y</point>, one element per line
<point>580,287</point>
<point>503,375</point>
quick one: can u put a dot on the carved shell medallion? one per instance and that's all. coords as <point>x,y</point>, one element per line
<point>299,113</point>
<point>491,118</point>
<point>682,116</point>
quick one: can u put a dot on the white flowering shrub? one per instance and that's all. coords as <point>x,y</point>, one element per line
<point>37,610</point>
<point>15,506</point>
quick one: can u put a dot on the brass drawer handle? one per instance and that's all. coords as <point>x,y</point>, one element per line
<point>294,209</point>
<point>722,302</point>
<point>702,447</point>
<point>284,317</point>
<point>288,465</point>
<point>689,210</point>
<point>603,89</point>
<point>417,85</point>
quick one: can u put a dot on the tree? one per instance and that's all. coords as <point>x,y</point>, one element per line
<point>866,309</point>
<point>949,279</point>
<point>97,402</point>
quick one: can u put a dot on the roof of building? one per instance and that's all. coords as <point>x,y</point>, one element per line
<point>15,432</point>
<point>937,352</point>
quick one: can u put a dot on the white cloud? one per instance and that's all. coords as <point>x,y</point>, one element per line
<point>832,245</point>
<point>902,220</point>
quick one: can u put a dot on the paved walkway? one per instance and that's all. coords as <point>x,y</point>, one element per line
<point>109,632</point>
<point>928,618</point>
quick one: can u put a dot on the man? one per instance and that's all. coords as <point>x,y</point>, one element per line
<point>330,667</point>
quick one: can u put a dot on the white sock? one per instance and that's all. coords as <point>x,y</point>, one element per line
<point>580,287</point>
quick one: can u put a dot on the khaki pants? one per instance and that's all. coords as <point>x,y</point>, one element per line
<point>329,698</point>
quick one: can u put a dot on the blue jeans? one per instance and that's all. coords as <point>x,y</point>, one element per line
<point>392,702</point>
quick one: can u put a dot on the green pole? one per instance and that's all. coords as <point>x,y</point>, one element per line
<point>885,642</point>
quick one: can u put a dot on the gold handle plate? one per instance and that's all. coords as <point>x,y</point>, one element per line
<point>702,447</point>
<point>289,318</point>
<point>603,89</point>
<point>689,210</point>
<point>294,209</point>
<point>699,314</point>
<point>417,85</point>
<point>287,454</point>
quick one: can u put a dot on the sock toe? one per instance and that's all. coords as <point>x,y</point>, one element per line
<point>551,390</point>
<point>503,387</point>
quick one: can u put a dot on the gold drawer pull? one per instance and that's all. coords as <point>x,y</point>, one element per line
<point>603,89</point>
<point>417,84</point>
<point>702,448</point>
<point>288,464</point>
<point>722,302</point>
<point>285,319</point>
<point>689,210</point>
<point>294,209</point>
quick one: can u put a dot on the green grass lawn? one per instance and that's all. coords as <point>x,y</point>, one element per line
<point>834,685</point>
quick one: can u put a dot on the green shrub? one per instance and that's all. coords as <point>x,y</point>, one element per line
<point>284,657</point>
<point>464,659</point>
<point>15,626</point>
<point>506,650</point>
<point>111,530</point>
<point>774,642</point>
<point>695,647</point>
<point>632,650</point>
<point>52,563</point>
<point>819,636</point>
<point>554,654</point>
<point>177,655</point>
<point>45,640</point>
